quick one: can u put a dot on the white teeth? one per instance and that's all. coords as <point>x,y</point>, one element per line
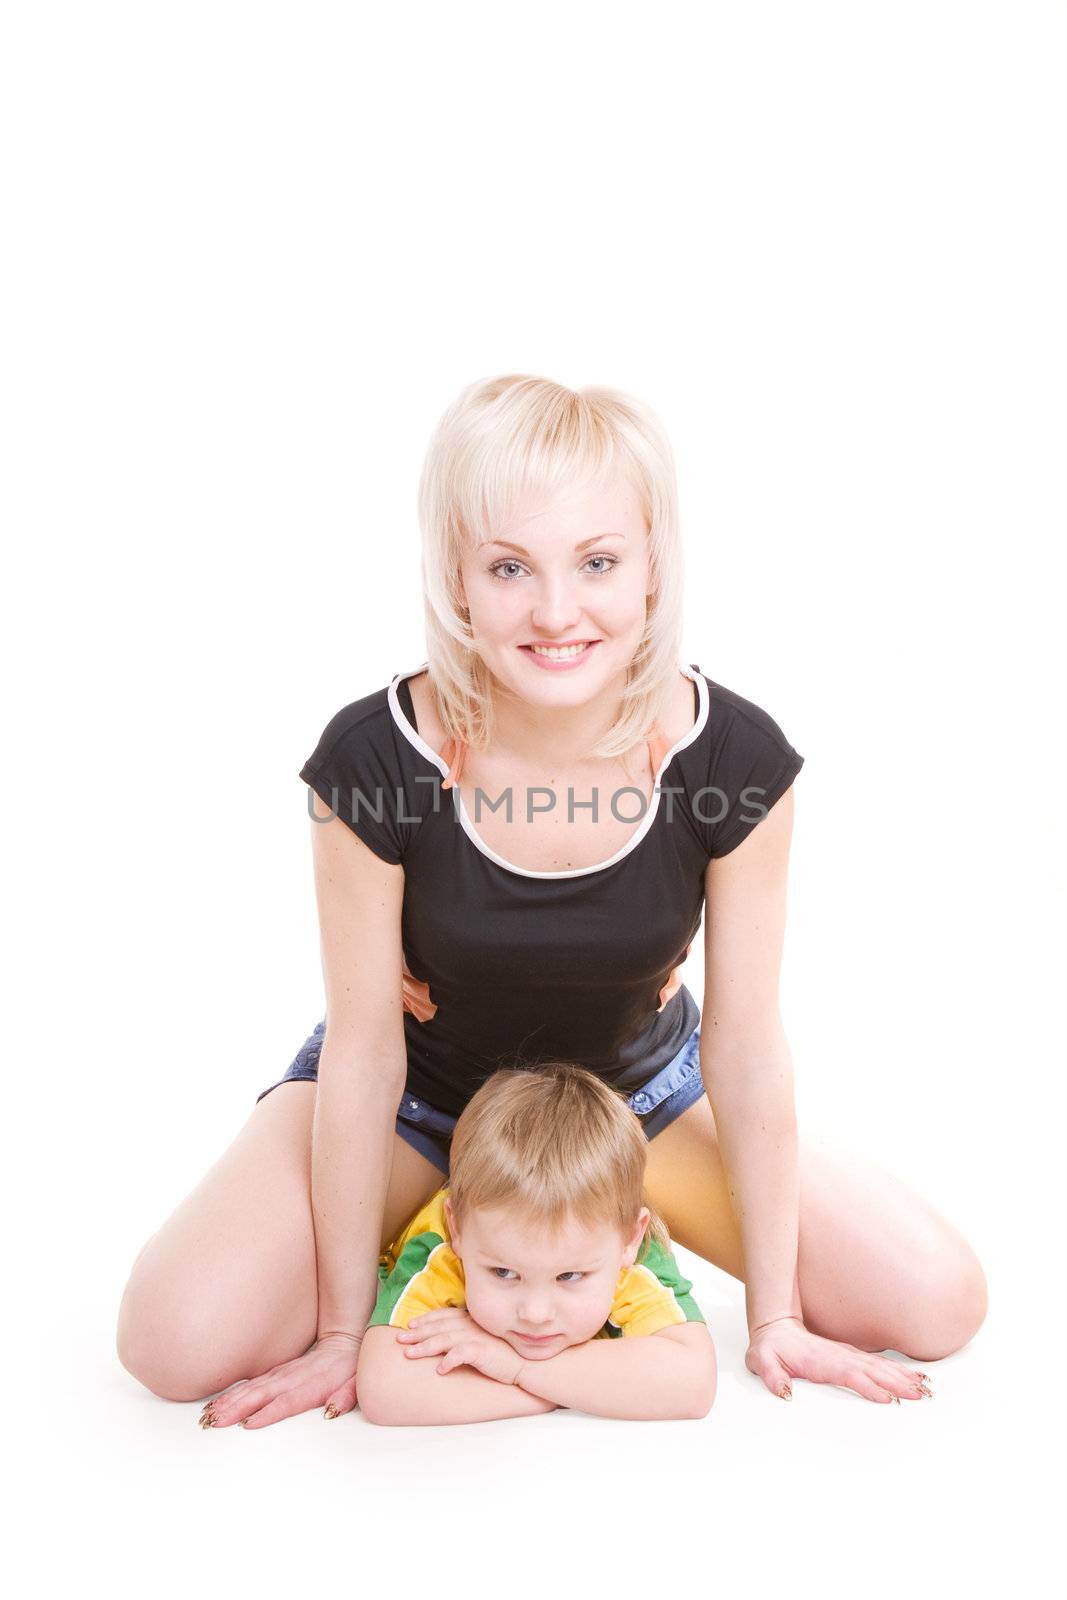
<point>555,654</point>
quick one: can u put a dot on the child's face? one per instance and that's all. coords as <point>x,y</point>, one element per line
<point>521,1283</point>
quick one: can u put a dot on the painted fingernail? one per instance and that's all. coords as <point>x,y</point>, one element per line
<point>896,1397</point>
<point>928,1392</point>
<point>208,1420</point>
<point>785,1392</point>
<point>331,1412</point>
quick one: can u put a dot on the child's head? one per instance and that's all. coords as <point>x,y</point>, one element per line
<point>545,1205</point>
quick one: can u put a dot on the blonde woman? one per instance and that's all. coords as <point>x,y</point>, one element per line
<point>514,846</point>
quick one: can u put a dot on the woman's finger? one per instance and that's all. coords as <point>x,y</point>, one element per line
<point>345,1399</point>
<point>900,1380</point>
<point>288,1404</point>
<point>866,1373</point>
<point>853,1376</point>
<point>225,1413</point>
<point>247,1396</point>
<point>301,1384</point>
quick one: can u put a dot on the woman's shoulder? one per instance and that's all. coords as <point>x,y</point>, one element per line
<point>744,758</point>
<point>363,748</point>
<point>734,715</point>
<point>370,709</point>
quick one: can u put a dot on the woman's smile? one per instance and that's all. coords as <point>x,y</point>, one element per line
<point>559,658</point>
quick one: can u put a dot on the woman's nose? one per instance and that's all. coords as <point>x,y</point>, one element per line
<point>557,607</point>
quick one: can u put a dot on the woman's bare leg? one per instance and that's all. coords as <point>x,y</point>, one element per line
<point>878,1267</point>
<point>227,1289</point>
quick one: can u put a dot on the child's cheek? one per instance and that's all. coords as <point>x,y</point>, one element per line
<point>486,1313</point>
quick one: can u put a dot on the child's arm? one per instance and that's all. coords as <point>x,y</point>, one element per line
<point>394,1391</point>
<point>665,1375</point>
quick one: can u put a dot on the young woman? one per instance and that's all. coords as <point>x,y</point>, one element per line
<point>514,845</point>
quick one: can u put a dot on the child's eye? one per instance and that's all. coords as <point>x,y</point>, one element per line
<point>495,1270</point>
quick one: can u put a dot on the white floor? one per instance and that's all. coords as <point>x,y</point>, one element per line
<point>940,1495</point>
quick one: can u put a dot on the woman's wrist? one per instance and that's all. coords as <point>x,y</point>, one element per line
<point>787,1316</point>
<point>339,1334</point>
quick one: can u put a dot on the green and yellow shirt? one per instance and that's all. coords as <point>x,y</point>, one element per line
<point>420,1272</point>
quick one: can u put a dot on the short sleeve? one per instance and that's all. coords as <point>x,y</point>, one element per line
<point>653,1294</point>
<point>752,765</point>
<point>356,772</point>
<point>426,1277</point>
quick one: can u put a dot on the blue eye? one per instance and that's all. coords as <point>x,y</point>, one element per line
<point>599,572</point>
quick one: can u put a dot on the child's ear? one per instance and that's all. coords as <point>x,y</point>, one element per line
<point>633,1243</point>
<point>453,1232</point>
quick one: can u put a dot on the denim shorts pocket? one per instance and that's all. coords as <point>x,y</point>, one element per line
<point>307,1057</point>
<point>420,1113</point>
<point>669,1079</point>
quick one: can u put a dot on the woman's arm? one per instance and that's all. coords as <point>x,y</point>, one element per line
<point>362,1070</point>
<point>745,1060</point>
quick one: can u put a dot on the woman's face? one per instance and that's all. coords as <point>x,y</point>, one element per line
<point>572,569</point>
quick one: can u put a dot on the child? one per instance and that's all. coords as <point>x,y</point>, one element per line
<point>534,1274</point>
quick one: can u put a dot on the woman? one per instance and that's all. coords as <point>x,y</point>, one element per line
<point>518,841</point>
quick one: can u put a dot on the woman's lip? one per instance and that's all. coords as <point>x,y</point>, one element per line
<point>560,663</point>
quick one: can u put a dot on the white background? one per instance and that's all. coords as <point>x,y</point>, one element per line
<point>252,251</point>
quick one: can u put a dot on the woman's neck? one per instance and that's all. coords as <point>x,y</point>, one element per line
<point>539,739</point>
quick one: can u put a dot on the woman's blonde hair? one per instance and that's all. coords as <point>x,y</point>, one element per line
<point>500,438</point>
<point>548,1144</point>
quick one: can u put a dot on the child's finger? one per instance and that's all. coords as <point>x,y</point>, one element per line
<point>432,1345</point>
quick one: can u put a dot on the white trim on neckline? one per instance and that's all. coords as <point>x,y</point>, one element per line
<point>415,738</point>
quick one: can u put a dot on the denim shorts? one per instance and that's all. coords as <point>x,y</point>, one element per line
<point>669,1092</point>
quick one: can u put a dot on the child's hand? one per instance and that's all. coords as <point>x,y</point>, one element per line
<point>463,1342</point>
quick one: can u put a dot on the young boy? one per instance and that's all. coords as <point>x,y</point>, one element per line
<point>534,1275</point>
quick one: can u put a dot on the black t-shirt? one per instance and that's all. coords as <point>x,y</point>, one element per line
<point>520,967</point>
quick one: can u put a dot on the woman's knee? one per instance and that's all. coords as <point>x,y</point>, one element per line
<point>947,1303</point>
<point>184,1343</point>
<point>163,1344</point>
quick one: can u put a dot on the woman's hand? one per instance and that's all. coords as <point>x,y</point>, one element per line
<point>453,1334</point>
<point>784,1349</point>
<point>325,1375</point>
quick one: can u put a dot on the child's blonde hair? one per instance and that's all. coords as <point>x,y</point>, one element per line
<point>502,437</point>
<point>548,1144</point>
